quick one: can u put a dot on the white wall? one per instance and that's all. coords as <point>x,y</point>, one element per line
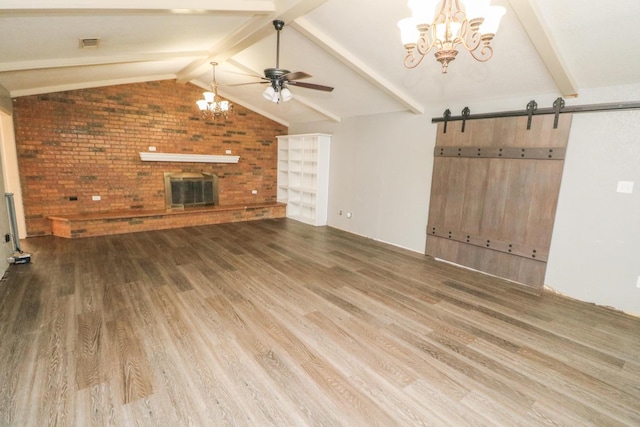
<point>9,170</point>
<point>381,172</point>
<point>6,248</point>
<point>595,249</point>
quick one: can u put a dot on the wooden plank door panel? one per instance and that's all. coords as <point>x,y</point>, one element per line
<point>495,201</point>
<point>474,193</point>
<point>494,195</point>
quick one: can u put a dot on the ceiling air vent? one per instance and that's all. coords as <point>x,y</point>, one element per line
<point>89,43</point>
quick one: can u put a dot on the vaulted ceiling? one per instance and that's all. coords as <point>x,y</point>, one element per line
<point>542,47</point>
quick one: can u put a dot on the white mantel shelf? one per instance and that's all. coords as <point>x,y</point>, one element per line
<point>176,157</point>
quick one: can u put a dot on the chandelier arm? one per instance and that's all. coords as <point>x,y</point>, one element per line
<point>445,10</point>
<point>484,54</point>
<point>426,41</point>
<point>411,60</point>
<point>470,36</point>
<point>458,15</point>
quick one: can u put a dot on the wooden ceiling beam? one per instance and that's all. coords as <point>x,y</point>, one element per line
<point>532,21</point>
<point>257,28</point>
<point>47,64</point>
<point>332,47</point>
<point>181,6</point>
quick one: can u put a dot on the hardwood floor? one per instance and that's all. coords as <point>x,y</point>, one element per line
<point>278,323</point>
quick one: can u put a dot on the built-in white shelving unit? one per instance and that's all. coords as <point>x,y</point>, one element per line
<point>303,176</point>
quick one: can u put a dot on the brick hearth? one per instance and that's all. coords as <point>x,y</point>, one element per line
<point>106,223</point>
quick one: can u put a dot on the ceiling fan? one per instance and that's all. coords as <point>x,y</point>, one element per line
<point>279,78</point>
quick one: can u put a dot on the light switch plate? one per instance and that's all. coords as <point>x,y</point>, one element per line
<point>95,198</point>
<point>625,187</point>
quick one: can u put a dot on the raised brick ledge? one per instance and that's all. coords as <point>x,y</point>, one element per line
<point>130,221</point>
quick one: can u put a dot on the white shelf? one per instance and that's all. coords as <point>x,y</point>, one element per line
<point>190,158</point>
<point>303,176</point>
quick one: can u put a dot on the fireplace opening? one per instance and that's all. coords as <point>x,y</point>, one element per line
<point>190,189</point>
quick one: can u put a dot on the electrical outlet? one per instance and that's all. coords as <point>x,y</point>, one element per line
<point>95,198</point>
<point>254,191</point>
<point>625,187</point>
<point>152,148</point>
<point>7,237</point>
<point>227,151</point>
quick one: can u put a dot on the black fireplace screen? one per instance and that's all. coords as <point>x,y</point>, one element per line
<point>190,189</point>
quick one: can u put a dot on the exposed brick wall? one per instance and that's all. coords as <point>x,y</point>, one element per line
<point>86,142</point>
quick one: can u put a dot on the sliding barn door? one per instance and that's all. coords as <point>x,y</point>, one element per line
<point>494,194</point>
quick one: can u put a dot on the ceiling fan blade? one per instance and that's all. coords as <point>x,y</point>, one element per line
<point>297,75</point>
<point>257,76</point>
<point>245,84</point>
<point>311,86</point>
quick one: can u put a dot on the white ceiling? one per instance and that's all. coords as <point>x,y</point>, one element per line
<point>543,47</point>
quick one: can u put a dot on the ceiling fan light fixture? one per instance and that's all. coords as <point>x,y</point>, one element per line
<point>278,78</point>
<point>285,94</point>
<point>269,93</point>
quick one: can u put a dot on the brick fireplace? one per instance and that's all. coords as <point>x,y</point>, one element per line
<point>190,189</point>
<point>73,146</point>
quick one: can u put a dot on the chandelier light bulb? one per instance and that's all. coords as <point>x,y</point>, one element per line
<point>208,96</point>
<point>492,20</point>
<point>423,11</point>
<point>476,8</point>
<point>408,31</point>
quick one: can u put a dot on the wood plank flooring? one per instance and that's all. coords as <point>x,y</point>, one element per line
<point>278,323</point>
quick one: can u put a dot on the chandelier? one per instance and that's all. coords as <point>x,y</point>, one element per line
<point>472,27</point>
<point>212,106</point>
